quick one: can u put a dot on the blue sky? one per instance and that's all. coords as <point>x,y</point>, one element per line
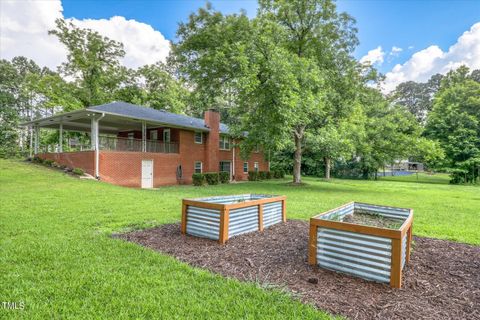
<point>404,24</point>
<point>429,36</point>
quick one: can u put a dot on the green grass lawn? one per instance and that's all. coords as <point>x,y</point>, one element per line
<point>58,257</point>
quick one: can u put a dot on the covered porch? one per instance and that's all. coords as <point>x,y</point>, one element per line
<point>102,132</point>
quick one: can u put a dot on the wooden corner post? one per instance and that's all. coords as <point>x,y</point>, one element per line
<point>224,222</point>
<point>284,211</point>
<point>396,264</point>
<point>312,245</point>
<point>184,218</point>
<point>260,217</point>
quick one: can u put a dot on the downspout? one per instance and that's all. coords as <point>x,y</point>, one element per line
<point>97,154</point>
<point>233,162</point>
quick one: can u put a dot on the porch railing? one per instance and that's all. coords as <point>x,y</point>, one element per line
<point>136,145</point>
<point>112,143</point>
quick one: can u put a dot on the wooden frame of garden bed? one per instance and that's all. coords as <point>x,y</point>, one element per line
<point>225,209</point>
<point>395,235</point>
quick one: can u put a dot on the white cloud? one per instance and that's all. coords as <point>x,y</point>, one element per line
<point>374,56</point>
<point>395,51</point>
<point>24,29</point>
<point>427,62</point>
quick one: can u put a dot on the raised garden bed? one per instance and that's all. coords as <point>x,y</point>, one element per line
<point>365,240</point>
<point>222,217</point>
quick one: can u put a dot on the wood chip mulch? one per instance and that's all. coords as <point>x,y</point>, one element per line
<point>442,280</point>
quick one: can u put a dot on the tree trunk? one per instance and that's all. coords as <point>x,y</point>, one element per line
<point>297,164</point>
<point>327,161</point>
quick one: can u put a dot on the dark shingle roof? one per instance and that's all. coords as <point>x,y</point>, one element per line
<point>144,113</point>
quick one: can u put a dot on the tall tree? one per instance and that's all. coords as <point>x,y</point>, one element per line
<point>288,71</point>
<point>417,97</point>
<point>92,62</point>
<point>163,90</point>
<point>455,121</point>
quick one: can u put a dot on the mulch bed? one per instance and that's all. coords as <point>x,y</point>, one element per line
<point>442,280</point>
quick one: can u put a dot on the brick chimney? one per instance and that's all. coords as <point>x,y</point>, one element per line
<point>212,121</point>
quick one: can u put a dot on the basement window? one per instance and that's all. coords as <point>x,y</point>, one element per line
<point>198,167</point>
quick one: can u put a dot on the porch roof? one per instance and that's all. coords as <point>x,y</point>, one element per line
<point>121,116</point>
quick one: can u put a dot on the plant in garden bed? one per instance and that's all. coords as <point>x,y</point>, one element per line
<point>212,178</point>
<point>198,179</point>
<point>224,177</point>
<point>78,172</point>
<point>253,176</point>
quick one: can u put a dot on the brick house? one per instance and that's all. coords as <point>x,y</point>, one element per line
<point>136,146</point>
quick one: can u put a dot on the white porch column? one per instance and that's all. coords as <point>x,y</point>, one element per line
<point>96,122</point>
<point>144,136</point>
<point>37,129</point>
<point>93,130</point>
<point>60,138</point>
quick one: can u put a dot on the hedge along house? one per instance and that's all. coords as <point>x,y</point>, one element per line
<point>136,146</point>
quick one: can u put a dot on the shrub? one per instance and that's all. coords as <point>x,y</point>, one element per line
<point>48,162</point>
<point>211,177</point>
<point>77,171</point>
<point>38,160</point>
<point>198,179</point>
<point>269,175</point>
<point>278,174</point>
<point>224,177</point>
<point>262,175</point>
<point>252,175</point>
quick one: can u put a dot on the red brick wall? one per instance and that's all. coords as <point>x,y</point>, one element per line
<point>125,168</point>
<point>84,160</point>
<point>190,152</point>
<point>227,155</point>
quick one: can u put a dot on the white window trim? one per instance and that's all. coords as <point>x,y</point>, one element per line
<point>169,135</point>
<point>195,167</point>
<point>229,142</point>
<point>256,166</point>
<point>201,137</point>
<point>244,167</point>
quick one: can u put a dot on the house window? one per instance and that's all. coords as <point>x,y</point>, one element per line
<point>255,166</point>
<point>224,166</point>
<point>224,143</point>
<point>257,149</point>
<point>166,135</point>
<point>154,134</point>
<point>198,167</point>
<point>245,167</point>
<point>198,137</point>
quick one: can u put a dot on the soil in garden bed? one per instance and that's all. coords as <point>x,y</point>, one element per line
<point>442,280</point>
<point>372,220</point>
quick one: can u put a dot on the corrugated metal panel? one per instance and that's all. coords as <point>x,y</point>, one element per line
<point>364,256</point>
<point>404,249</point>
<point>202,222</point>
<point>339,213</point>
<point>243,220</point>
<point>272,213</point>
<point>388,212</point>
<point>234,198</point>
